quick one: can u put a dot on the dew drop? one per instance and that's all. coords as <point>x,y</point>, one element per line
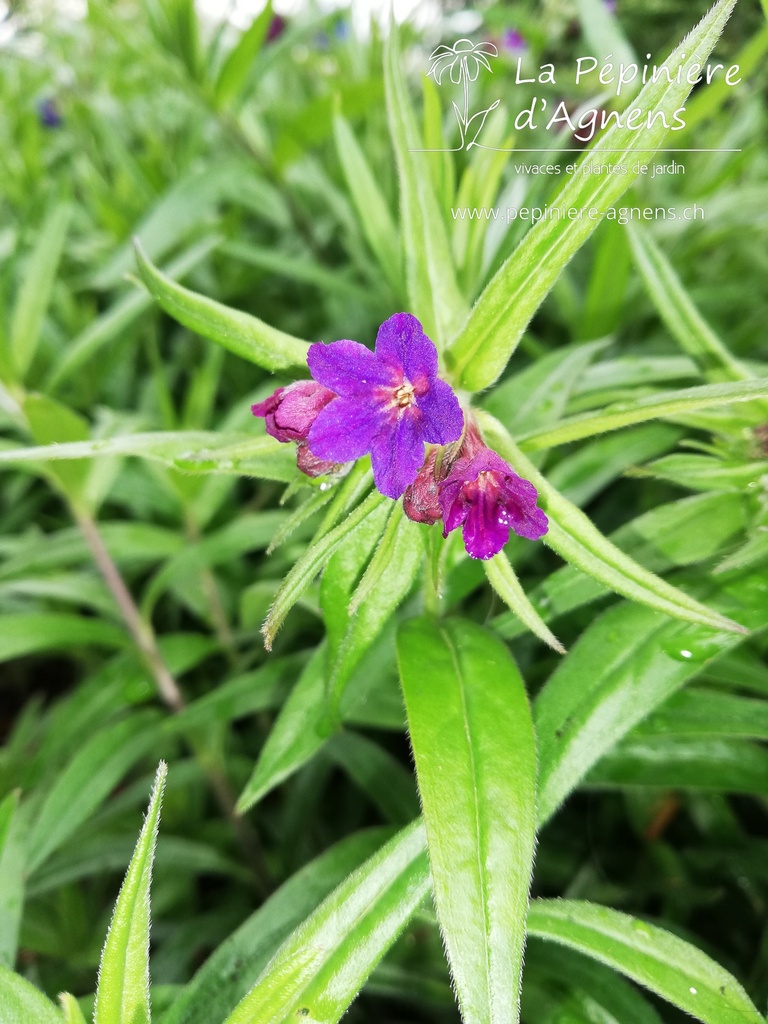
<point>325,486</point>
<point>692,990</point>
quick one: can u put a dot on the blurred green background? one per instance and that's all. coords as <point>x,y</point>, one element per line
<point>124,119</point>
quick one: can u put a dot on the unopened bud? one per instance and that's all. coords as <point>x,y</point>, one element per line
<point>290,412</point>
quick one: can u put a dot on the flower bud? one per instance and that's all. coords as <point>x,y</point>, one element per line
<point>421,499</point>
<point>291,411</point>
<point>311,465</point>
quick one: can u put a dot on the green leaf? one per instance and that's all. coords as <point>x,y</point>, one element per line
<point>122,994</point>
<point>680,533</point>
<point>22,1003</point>
<point>575,538</point>
<point>481,350</point>
<point>390,575</point>
<point>538,395</point>
<point>193,451</point>
<point>389,785</point>
<point>242,535</point>
<point>433,292</point>
<point>473,743</point>
<point>712,765</point>
<point>502,578</point>
<point>237,67</point>
<point>596,994</point>
<point>28,632</point>
<point>623,414</point>
<point>704,473</point>
<point>12,877</point>
<point>301,729</point>
<point>97,767</point>
<point>602,32</point>
<point>623,667</point>
<point>679,313</point>
<point>372,210</point>
<point>50,423</point>
<point>698,712</point>
<point>310,563</point>
<point>114,323</point>
<point>319,970</point>
<point>229,973</point>
<point>70,1009</point>
<point>35,293</point>
<point>650,956</point>
<point>241,333</point>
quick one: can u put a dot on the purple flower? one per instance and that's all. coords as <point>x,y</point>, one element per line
<point>291,411</point>
<point>483,494</point>
<point>389,403</point>
<point>48,112</point>
<point>276,28</point>
<point>514,41</point>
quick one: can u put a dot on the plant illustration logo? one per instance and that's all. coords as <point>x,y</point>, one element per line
<point>463,61</point>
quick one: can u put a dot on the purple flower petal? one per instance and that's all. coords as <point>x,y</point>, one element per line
<point>484,535</point>
<point>443,418</point>
<point>486,495</point>
<point>347,367</point>
<point>402,344</point>
<point>344,430</point>
<point>397,453</point>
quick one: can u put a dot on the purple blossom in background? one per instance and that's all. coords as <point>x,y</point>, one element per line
<point>276,28</point>
<point>514,41</point>
<point>610,5</point>
<point>389,403</point>
<point>291,411</point>
<point>48,112</point>
<point>485,496</point>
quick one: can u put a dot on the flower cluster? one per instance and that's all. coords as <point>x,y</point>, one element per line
<point>389,404</point>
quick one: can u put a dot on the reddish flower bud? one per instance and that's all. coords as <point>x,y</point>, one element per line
<point>311,465</point>
<point>291,411</point>
<point>421,499</point>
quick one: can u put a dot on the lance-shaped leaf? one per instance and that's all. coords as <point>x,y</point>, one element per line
<point>579,542</point>
<point>372,210</point>
<point>12,877</point>
<point>241,333</point>
<point>651,407</point>
<point>310,563</point>
<point>677,310</point>
<point>240,60</point>
<point>194,451</point>
<point>480,352</point>
<point>662,962</point>
<point>473,742</point>
<point>229,973</point>
<point>122,994</point>
<point>431,277</point>
<point>100,763</point>
<point>35,293</point>
<point>319,970</point>
<point>71,1009</point>
<point>22,1003</point>
<point>502,578</point>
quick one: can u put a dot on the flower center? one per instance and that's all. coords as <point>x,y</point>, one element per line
<point>404,395</point>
